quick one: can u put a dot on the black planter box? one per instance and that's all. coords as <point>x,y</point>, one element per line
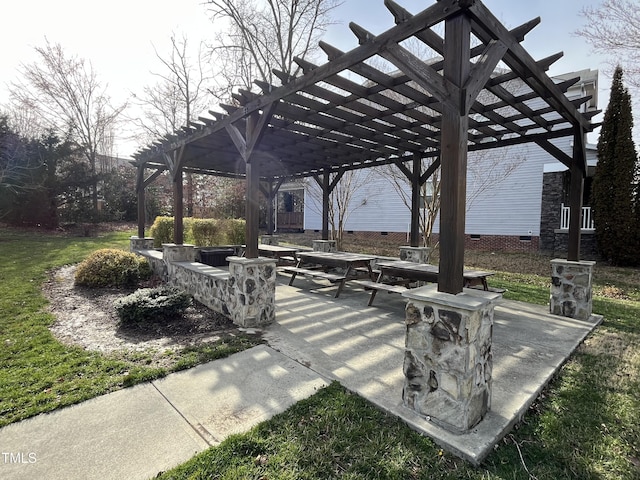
<point>216,257</point>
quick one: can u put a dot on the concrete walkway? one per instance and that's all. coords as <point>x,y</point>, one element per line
<point>137,432</point>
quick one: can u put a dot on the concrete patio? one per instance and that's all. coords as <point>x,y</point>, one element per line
<point>363,348</point>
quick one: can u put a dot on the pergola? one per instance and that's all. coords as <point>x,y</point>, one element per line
<point>352,112</point>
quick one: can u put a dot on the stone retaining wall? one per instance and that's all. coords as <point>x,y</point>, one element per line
<point>245,291</point>
<point>208,285</point>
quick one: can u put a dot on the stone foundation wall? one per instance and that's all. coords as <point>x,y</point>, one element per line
<point>245,292</point>
<point>448,360</point>
<point>158,267</point>
<point>144,247</point>
<point>208,285</point>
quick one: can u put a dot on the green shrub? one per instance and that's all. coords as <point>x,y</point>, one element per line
<point>200,231</point>
<point>162,231</point>
<point>110,267</point>
<point>152,304</point>
<point>234,229</point>
<point>206,231</point>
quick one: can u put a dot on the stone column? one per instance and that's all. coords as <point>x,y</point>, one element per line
<point>448,361</point>
<point>172,252</point>
<point>251,291</point>
<point>136,243</point>
<point>415,254</point>
<point>269,240</point>
<point>324,245</point>
<point>571,289</point>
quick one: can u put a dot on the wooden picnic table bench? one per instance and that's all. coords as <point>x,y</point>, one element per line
<point>407,272</point>
<point>279,252</point>
<point>320,263</point>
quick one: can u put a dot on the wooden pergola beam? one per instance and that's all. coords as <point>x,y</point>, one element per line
<point>489,27</point>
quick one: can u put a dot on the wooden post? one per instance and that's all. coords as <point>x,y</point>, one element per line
<point>141,201</point>
<point>575,196</point>
<point>252,209</point>
<point>455,125</point>
<point>270,212</point>
<point>415,200</point>
<point>178,208</point>
<point>325,204</point>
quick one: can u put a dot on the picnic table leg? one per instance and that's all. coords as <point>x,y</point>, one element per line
<point>343,281</point>
<point>372,296</point>
<point>293,275</point>
<point>373,290</point>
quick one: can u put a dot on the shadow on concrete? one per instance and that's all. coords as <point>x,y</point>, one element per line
<point>363,348</point>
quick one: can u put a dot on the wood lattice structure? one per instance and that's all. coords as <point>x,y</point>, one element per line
<point>351,113</point>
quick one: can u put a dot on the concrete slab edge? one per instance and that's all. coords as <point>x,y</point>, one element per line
<point>476,456</point>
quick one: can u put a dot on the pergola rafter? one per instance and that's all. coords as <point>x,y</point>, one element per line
<point>324,123</point>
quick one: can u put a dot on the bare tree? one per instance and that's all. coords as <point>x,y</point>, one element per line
<point>264,35</point>
<point>352,186</point>
<point>429,194</point>
<point>66,95</point>
<point>613,28</point>
<point>179,95</point>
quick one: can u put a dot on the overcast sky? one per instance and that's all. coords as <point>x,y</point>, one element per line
<point>119,36</point>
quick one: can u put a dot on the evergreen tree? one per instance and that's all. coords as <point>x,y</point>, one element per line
<point>614,183</point>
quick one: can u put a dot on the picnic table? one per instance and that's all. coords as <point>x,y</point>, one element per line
<point>319,264</point>
<point>279,252</point>
<point>408,272</point>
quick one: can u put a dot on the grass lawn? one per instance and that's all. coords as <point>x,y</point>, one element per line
<point>38,373</point>
<point>586,425</point>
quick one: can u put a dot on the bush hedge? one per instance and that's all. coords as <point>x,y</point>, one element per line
<point>152,304</point>
<point>162,231</point>
<point>206,231</point>
<point>234,229</point>
<point>110,267</point>
<point>201,232</point>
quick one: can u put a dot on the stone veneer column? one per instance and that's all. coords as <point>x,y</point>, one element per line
<point>251,291</point>
<point>415,254</point>
<point>136,243</point>
<point>269,239</point>
<point>448,361</point>
<point>324,245</point>
<point>571,285</point>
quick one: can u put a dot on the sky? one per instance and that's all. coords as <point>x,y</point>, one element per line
<point>119,36</point>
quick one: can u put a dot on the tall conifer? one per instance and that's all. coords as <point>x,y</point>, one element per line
<point>614,182</point>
